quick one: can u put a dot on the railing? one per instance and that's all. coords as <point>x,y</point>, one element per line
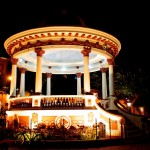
<point>63,102</point>
<point>134,118</point>
<point>52,101</point>
<point>21,102</point>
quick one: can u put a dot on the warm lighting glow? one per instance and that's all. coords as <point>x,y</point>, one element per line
<point>129,104</point>
<point>9,78</point>
<point>142,109</point>
<point>88,117</point>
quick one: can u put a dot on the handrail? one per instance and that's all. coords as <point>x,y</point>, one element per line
<point>134,118</point>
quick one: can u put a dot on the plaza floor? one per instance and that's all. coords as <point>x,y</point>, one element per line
<point>98,145</point>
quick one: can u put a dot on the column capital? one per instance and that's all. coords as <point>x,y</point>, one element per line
<point>48,75</point>
<point>110,61</point>
<point>103,70</point>
<point>39,51</point>
<point>86,50</point>
<point>79,75</point>
<point>22,70</point>
<point>14,61</point>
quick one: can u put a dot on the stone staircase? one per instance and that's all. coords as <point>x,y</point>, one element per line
<point>133,134</point>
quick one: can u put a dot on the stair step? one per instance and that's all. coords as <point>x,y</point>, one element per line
<point>133,133</point>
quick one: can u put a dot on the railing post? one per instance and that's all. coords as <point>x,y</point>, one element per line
<point>110,127</point>
<point>96,127</point>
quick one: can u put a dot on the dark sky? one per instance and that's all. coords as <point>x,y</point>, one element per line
<point>126,20</point>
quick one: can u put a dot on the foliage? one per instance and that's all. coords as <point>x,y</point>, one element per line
<point>129,82</point>
<point>124,85</point>
<point>133,83</point>
<point>95,80</point>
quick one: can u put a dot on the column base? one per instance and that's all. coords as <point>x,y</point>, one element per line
<point>112,105</point>
<point>105,103</point>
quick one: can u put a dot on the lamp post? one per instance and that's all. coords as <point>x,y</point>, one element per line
<point>128,105</point>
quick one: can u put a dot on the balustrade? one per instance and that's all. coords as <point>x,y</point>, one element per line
<point>19,103</point>
<point>63,102</point>
<point>49,102</point>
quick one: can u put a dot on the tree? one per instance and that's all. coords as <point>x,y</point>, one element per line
<point>129,82</point>
<point>95,81</point>
<point>133,83</point>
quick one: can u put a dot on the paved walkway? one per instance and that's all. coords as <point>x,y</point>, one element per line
<point>118,147</point>
<point>86,145</point>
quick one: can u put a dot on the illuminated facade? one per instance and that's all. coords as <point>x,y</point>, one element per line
<point>63,50</point>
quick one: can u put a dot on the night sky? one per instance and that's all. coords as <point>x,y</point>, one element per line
<point>128,22</point>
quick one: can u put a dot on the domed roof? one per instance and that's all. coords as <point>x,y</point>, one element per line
<point>63,47</point>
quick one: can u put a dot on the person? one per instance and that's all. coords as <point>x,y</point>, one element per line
<point>16,121</point>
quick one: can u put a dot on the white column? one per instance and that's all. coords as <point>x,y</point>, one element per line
<point>104,83</point>
<point>111,77</point>
<point>111,85</point>
<point>48,84</point>
<point>79,83</point>
<point>85,53</point>
<point>38,80</point>
<point>22,82</point>
<point>14,77</point>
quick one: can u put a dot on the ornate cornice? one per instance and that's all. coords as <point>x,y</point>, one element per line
<point>62,36</point>
<point>112,50</point>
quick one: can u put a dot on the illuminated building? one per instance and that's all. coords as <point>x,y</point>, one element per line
<point>63,50</point>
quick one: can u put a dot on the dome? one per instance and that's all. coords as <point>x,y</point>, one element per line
<point>62,46</point>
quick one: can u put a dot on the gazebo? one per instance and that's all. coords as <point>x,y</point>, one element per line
<point>63,50</point>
